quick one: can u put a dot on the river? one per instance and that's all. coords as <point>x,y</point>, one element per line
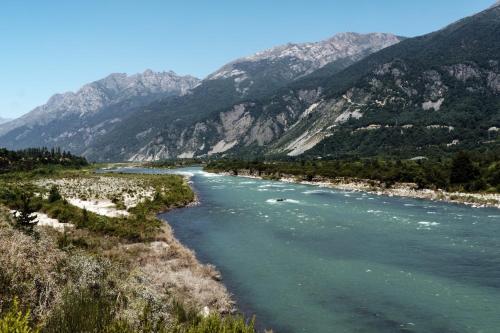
<point>309,259</point>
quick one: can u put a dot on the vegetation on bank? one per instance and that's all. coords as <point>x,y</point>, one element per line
<point>464,171</point>
<point>175,163</point>
<point>102,274</point>
<point>30,159</point>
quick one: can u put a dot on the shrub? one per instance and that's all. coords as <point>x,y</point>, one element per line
<point>16,321</point>
<point>82,311</point>
<point>54,194</point>
<point>189,321</point>
<point>216,324</point>
<point>31,270</point>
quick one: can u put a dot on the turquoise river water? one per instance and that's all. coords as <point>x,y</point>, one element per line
<point>325,260</point>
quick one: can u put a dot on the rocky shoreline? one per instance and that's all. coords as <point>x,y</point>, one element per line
<point>407,190</point>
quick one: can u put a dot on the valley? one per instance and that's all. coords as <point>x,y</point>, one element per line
<point>94,246</point>
<point>343,182</point>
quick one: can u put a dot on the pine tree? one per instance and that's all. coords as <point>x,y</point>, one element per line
<point>25,219</point>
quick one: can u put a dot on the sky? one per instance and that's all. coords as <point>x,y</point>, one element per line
<point>54,46</point>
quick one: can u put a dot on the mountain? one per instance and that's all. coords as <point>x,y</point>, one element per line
<point>73,120</point>
<point>428,94</point>
<point>4,120</point>
<point>268,70</point>
<point>424,95</point>
<point>182,127</point>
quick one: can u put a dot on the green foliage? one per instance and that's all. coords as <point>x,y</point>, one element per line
<point>25,218</point>
<point>133,228</point>
<point>54,194</point>
<point>175,163</point>
<point>91,311</point>
<point>189,321</point>
<point>463,171</point>
<point>33,158</point>
<point>16,321</point>
<point>83,311</point>
<point>217,324</point>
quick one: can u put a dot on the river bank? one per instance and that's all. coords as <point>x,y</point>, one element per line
<point>407,190</point>
<point>113,242</point>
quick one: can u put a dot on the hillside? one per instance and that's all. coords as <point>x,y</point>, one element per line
<point>177,127</point>
<point>350,95</point>
<point>426,95</point>
<point>435,92</point>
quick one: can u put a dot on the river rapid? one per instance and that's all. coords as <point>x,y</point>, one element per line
<point>308,259</point>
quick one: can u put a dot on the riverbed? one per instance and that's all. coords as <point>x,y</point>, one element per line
<point>308,259</point>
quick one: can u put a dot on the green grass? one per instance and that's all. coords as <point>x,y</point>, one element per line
<point>141,225</point>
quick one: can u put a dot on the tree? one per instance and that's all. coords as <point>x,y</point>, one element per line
<point>25,219</point>
<point>462,169</point>
<point>54,194</point>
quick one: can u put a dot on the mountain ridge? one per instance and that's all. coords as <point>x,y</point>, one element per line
<point>350,94</point>
<point>4,120</point>
<point>235,82</point>
<point>435,92</point>
<point>67,114</point>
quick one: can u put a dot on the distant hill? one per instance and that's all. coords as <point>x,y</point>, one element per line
<point>74,120</point>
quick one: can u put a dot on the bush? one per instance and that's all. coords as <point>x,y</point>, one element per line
<point>189,321</point>
<point>54,194</point>
<point>16,321</point>
<point>82,311</point>
<point>216,324</point>
<point>31,270</point>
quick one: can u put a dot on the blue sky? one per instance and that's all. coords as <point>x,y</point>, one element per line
<point>56,46</point>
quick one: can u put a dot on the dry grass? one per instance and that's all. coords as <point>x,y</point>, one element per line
<point>168,268</point>
<point>154,274</point>
<point>31,270</point>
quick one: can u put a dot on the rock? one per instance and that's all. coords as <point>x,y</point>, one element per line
<point>205,312</point>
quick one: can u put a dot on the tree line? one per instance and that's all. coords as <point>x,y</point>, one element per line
<point>32,158</point>
<point>463,171</point>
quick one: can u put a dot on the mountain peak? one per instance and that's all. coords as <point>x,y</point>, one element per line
<point>4,120</point>
<point>341,43</point>
<point>315,54</point>
<point>94,97</point>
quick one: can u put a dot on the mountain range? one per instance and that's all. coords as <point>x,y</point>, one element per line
<point>74,120</point>
<point>4,120</point>
<point>353,94</point>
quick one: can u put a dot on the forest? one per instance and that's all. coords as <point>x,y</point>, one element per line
<point>32,158</point>
<point>463,171</point>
